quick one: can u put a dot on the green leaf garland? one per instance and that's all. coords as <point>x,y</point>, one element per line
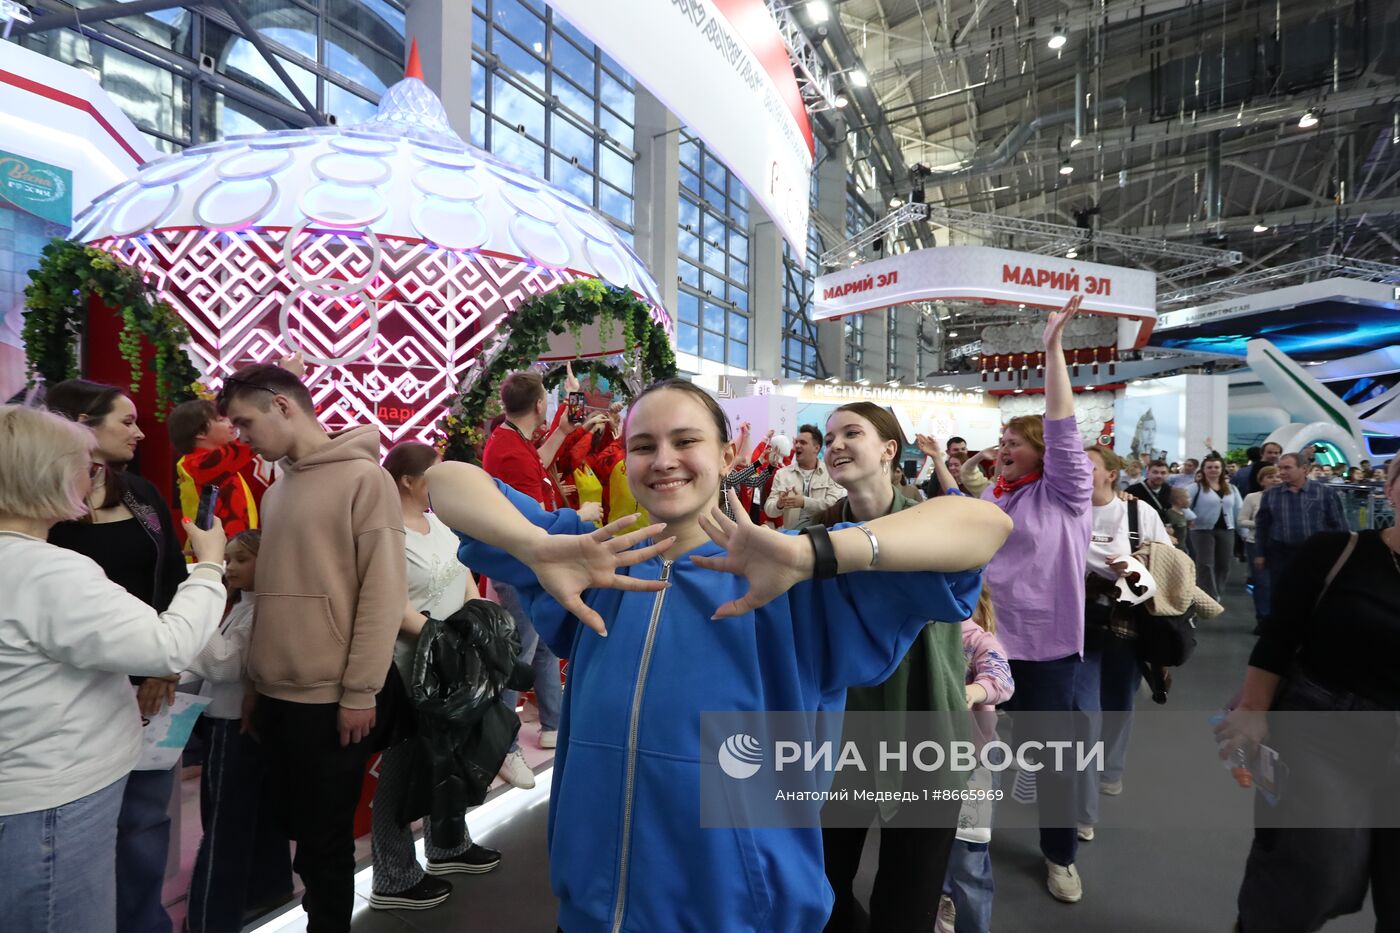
<point>56,312</point>
<point>570,308</point>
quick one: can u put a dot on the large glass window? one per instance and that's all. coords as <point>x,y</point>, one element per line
<point>799,333</point>
<point>546,99</point>
<point>713,264</point>
<point>341,54</point>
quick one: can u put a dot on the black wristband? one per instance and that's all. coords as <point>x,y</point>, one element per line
<point>823,552</point>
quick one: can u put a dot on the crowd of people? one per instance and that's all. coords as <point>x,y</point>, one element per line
<point>653,551</point>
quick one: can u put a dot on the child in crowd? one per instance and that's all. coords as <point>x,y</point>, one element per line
<point>714,614</point>
<point>212,455</point>
<point>1179,516</point>
<point>243,861</point>
<point>966,906</point>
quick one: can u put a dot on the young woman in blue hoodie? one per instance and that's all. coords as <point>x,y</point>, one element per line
<point>714,615</point>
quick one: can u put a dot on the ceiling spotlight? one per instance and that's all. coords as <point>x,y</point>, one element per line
<point>1058,38</point>
<point>921,385</point>
<point>859,78</point>
<point>1261,227</point>
<point>1072,253</point>
<point>818,11</point>
<point>1308,120</point>
<point>893,383</point>
<point>1075,141</point>
<point>952,333</point>
<point>1066,168</point>
<point>852,254</point>
<point>840,101</point>
<point>1020,391</point>
<point>833,379</point>
<point>862,381</point>
<point>896,202</point>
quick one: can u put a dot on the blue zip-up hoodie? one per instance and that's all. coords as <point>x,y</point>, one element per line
<point>643,863</point>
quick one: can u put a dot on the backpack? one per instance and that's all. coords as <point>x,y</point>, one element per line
<point>1162,641</point>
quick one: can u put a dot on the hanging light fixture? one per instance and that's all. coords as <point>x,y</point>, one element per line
<point>818,11</point>
<point>1260,226</point>
<point>1308,120</point>
<point>1057,38</point>
<point>1066,168</point>
<point>859,78</point>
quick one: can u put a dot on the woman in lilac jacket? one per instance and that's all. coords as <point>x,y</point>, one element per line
<point>1037,584</point>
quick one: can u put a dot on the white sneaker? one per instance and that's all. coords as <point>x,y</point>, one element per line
<point>516,772</point>
<point>1086,832</point>
<point>549,738</point>
<point>1063,882</point>
<point>947,915</point>
<point>1111,788</point>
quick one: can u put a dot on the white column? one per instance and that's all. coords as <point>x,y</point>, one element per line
<point>1207,415</point>
<point>657,212</point>
<point>443,29</point>
<point>765,295</point>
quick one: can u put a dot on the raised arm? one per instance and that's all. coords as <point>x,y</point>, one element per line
<point>469,501</point>
<point>773,562</point>
<point>1059,393</point>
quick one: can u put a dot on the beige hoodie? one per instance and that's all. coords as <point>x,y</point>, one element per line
<point>331,575</point>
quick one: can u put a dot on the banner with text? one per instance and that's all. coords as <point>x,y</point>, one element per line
<point>985,273</point>
<point>721,67</point>
<point>39,188</point>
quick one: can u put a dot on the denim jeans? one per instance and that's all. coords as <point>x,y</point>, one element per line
<point>969,883</point>
<point>1107,682</point>
<point>1047,687</point>
<point>143,846</point>
<point>60,866</point>
<point>244,859</point>
<point>549,689</point>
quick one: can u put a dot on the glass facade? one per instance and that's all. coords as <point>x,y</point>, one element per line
<point>543,97</point>
<point>341,54</point>
<point>799,333</point>
<point>546,99</point>
<point>713,264</point>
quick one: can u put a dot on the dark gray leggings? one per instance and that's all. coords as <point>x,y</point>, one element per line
<point>1213,550</point>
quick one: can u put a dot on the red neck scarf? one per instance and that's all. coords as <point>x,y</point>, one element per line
<point>1003,487</point>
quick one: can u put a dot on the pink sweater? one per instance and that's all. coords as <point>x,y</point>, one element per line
<point>987,667</point>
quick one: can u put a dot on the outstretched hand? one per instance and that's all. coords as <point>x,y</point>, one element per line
<point>567,565</point>
<point>1055,324</point>
<point>772,562</point>
<point>571,383</point>
<point>927,445</point>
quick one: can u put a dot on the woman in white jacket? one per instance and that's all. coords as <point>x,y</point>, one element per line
<point>69,637</point>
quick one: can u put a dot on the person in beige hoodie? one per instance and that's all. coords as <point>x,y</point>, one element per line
<point>331,590</point>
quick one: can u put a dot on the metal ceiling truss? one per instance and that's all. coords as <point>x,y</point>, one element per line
<point>1051,237</point>
<point>1251,281</point>
<point>813,79</point>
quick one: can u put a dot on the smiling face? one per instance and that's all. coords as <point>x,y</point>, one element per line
<point>1018,457</point>
<point>1212,471</point>
<point>674,456</point>
<point>855,453</point>
<point>116,432</point>
<point>1270,453</point>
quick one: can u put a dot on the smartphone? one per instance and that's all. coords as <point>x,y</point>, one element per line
<point>578,407</point>
<point>208,498</point>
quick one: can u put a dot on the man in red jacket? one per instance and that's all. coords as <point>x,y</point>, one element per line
<point>511,457</point>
